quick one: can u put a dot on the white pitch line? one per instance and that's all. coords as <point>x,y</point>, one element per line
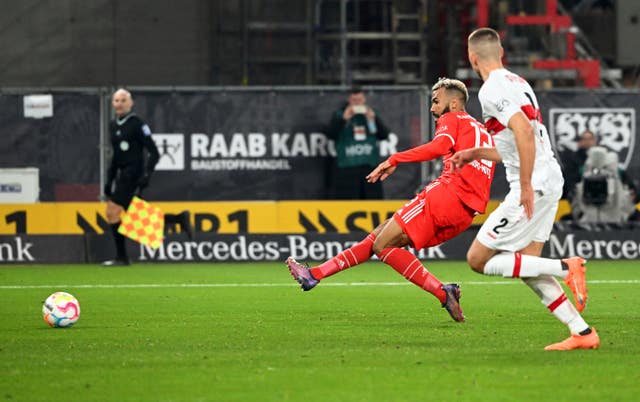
<point>268,285</point>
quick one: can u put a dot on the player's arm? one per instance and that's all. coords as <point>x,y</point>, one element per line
<point>466,156</point>
<point>431,150</point>
<point>525,142</point>
<point>438,147</point>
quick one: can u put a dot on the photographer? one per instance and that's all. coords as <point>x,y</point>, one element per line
<point>356,130</point>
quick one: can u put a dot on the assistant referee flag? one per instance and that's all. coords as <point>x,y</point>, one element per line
<point>143,223</point>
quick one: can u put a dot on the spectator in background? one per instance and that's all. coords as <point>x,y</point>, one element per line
<point>356,130</point>
<point>573,163</point>
<point>130,136</point>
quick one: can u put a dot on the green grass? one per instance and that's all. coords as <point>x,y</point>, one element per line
<point>336,343</point>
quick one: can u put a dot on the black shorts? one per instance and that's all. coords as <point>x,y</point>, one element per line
<point>126,185</point>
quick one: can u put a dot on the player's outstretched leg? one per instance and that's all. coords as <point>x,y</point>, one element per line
<point>576,281</point>
<point>354,255</point>
<point>589,340</point>
<point>407,265</point>
<point>301,274</point>
<point>452,303</point>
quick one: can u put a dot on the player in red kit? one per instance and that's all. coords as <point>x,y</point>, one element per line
<point>443,209</point>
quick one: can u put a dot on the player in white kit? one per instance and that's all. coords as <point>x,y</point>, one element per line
<point>510,242</point>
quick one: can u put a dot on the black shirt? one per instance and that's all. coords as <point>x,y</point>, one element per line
<point>129,137</point>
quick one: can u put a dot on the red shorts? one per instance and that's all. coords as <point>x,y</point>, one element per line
<point>434,216</point>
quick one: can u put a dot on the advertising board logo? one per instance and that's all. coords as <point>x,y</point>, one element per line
<point>10,188</point>
<point>615,129</point>
<point>171,149</point>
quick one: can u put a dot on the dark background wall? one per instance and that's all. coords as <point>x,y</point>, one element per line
<point>286,42</point>
<point>105,42</point>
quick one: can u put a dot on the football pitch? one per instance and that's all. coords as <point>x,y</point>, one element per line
<point>246,332</point>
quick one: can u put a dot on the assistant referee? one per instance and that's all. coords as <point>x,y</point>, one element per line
<point>128,172</point>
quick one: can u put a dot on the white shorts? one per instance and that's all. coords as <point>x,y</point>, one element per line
<point>507,228</point>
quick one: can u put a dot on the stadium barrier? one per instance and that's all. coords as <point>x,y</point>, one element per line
<point>620,244</point>
<point>264,146</point>
<point>254,217</point>
<point>257,231</point>
<point>265,143</point>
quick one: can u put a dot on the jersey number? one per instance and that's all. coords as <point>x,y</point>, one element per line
<point>503,223</point>
<point>483,140</point>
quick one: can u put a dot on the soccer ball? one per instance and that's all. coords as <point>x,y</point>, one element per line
<point>61,310</point>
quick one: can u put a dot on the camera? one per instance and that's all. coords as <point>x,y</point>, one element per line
<point>359,109</point>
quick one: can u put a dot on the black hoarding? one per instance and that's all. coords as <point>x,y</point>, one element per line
<point>264,145</point>
<point>621,244</point>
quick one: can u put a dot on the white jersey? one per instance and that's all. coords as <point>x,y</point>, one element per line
<point>501,96</point>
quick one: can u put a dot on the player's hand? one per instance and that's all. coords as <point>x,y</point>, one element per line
<point>381,172</point>
<point>526,200</point>
<point>461,158</point>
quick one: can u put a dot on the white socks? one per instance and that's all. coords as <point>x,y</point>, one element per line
<point>554,298</point>
<point>516,265</point>
<point>538,273</point>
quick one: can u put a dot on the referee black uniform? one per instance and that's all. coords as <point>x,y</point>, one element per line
<point>128,172</point>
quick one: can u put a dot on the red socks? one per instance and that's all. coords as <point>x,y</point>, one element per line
<point>411,268</point>
<point>356,254</point>
<point>398,258</point>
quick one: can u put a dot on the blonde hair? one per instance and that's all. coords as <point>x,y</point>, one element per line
<point>452,85</point>
<point>485,43</point>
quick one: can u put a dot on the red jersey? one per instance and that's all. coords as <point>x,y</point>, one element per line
<point>456,131</point>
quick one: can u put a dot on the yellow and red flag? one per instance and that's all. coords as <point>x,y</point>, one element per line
<point>143,223</point>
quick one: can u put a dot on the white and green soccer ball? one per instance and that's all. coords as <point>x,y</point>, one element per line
<point>61,310</point>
